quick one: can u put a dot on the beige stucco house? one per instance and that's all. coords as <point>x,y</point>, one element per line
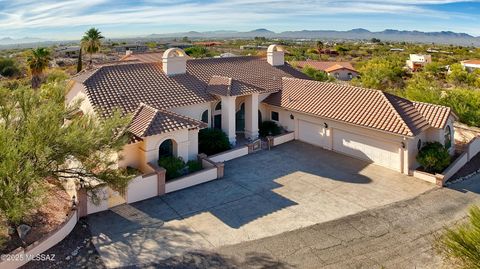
<point>173,99</point>
<point>339,70</point>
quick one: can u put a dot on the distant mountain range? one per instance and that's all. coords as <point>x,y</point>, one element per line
<point>23,40</point>
<point>444,37</point>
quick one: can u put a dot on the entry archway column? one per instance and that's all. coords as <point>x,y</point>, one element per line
<point>228,117</point>
<point>251,116</point>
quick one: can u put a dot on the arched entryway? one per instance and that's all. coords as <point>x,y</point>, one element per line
<point>217,116</point>
<point>167,148</point>
<point>240,119</point>
<point>259,119</point>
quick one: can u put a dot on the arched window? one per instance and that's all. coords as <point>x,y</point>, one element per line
<point>165,149</point>
<point>448,137</point>
<point>419,144</point>
<point>350,75</point>
<point>205,116</point>
<point>218,106</point>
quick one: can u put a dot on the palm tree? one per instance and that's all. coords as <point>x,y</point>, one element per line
<point>91,42</point>
<point>37,63</point>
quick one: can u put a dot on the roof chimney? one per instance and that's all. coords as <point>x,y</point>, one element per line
<point>275,55</point>
<point>174,62</point>
<point>128,52</point>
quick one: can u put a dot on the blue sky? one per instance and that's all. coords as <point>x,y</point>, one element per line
<point>68,19</point>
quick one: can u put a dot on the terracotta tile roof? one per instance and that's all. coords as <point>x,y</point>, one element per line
<point>364,107</point>
<point>471,62</point>
<point>338,67</point>
<point>124,86</point>
<point>325,66</point>
<point>225,86</point>
<point>436,115</point>
<point>148,121</point>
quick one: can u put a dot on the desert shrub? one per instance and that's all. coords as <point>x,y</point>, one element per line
<point>212,141</point>
<point>461,245</point>
<point>194,166</point>
<point>433,157</point>
<point>269,128</point>
<point>315,74</point>
<point>173,165</point>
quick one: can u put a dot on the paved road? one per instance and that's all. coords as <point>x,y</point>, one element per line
<point>400,235</point>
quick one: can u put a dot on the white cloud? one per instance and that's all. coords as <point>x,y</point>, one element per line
<point>28,14</point>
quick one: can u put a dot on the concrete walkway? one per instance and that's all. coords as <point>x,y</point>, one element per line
<point>268,193</point>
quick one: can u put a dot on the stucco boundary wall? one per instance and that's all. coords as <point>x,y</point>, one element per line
<point>283,138</point>
<point>21,256</point>
<point>229,154</point>
<point>471,149</point>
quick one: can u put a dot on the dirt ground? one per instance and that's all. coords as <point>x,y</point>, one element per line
<point>45,219</point>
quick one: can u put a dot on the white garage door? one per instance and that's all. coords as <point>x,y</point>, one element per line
<point>371,149</point>
<point>312,133</point>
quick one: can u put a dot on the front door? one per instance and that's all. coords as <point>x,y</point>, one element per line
<point>217,121</point>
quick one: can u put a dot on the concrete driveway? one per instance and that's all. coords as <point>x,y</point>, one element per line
<point>292,186</point>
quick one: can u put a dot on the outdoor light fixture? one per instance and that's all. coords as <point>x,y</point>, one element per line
<point>403,145</point>
<point>326,125</point>
<point>74,202</point>
<point>292,117</point>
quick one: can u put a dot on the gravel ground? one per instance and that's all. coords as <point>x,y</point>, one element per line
<point>75,251</point>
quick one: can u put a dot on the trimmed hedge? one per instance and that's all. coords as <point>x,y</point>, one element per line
<point>212,141</point>
<point>173,165</point>
<point>269,128</point>
<point>433,157</point>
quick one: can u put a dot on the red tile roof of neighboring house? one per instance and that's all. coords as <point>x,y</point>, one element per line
<point>148,121</point>
<point>325,66</point>
<point>472,62</point>
<point>363,107</point>
<point>126,85</point>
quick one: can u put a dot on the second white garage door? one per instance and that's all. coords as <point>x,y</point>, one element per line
<point>312,133</point>
<point>379,152</point>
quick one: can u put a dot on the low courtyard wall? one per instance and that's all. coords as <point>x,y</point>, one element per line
<point>142,187</point>
<point>21,256</point>
<point>190,180</point>
<point>283,138</point>
<point>229,154</point>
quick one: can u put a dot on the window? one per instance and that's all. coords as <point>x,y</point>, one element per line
<point>274,116</point>
<point>350,76</point>
<point>205,116</point>
<point>337,75</point>
<point>218,106</point>
<point>165,149</point>
<point>448,137</point>
<point>419,144</point>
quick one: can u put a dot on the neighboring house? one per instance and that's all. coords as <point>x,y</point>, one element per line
<point>471,65</point>
<point>338,70</point>
<point>68,52</point>
<point>418,61</point>
<point>134,48</point>
<point>172,100</point>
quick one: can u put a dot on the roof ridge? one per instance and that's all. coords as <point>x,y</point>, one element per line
<point>384,95</point>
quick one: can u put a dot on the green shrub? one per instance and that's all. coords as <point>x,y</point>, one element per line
<point>173,165</point>
<point>269,128</point>
<point>433,157</point>
<point>461,245</point>
<point>212,141</point>
<point>194,166</point>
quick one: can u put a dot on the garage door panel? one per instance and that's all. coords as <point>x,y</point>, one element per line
<point>312,133</point>
<point>367,148</point>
